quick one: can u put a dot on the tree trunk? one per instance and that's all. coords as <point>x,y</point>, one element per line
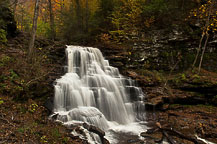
<point>204,48</point>
<point>52,26</point>
<point>198,50</point>
<point>207,36</point>
<point>179,56</point>
<point>34,28</point>
<point>15,6</point>
<point>22,19</point>
<point>203,34</point>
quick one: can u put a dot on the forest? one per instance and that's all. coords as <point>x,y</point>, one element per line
<point>163,51</point>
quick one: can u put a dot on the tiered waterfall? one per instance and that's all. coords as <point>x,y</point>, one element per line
<point>92,91</point>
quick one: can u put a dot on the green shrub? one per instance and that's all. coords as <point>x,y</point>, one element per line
<point>183,77</point>
<point>4,60</point>
<point>21,130</point>
<point>13,75</point>
<point>32,108</point>
<point>3,34</point>
<point>1,101</point>
<point>44,139</point>
<point>56,133</point>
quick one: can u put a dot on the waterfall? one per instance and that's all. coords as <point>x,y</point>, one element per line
<point>92,91</point>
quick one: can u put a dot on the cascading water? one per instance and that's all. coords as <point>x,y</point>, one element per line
<point>94,92</point>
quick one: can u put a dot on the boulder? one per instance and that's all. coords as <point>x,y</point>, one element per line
<point>97,131</point>
<point>94,129</point>
<point>49,105</point>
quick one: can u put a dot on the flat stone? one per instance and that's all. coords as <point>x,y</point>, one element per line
<point>156,136</point>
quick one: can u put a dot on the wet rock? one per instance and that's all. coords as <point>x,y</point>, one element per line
<point>132,74</point>
<point>135,141</point>
<point>149,106</point>
<point>54,116</point>
<point>190,100</point>
<point>94,129</point>
<point>165,107</point>
<point>117,58</point>
<point>97,131</point>
<point>105,141</point>
<point>73,137</point>
<point>156,136</point>
<point>154,104</point>
<point>72,127</point>
<point>77,139</point>
<point>150,142</point>
<point>117,64</point>
<point>79,130</point>
<point>49,105</point>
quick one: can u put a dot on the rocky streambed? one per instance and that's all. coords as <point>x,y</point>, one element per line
<point>184,110</point>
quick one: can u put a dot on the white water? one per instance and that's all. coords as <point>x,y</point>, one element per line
<point>94,92</point>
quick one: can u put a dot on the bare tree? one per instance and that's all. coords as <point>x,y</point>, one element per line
<point>207,14</point>
<point>34,28</point>
<point>52,25</point>
<point>204,48</point>
<point>199,48</point>
<point>207,37</point>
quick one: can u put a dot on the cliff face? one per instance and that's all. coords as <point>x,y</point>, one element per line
<point>161,49</point>
<point>165,48</point>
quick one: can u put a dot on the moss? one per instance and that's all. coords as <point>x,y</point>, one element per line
<point>187,106</point>
<point>21,130</point>
<point>56,133</point>
<point>209,107</point>
<point>176,81</point>
<point>3,36</point>
<point>174,105</point>
<point>199,95</point>
<point>4,60</point>
<point>196,76</point>
<point>183,77</point>
<point>152,75</point>
<point>158,76</point>
<point>1,101</point>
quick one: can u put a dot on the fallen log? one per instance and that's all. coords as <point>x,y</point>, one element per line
<point>170,140</point>
<point>180,135</point>
<point>177,134</point>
